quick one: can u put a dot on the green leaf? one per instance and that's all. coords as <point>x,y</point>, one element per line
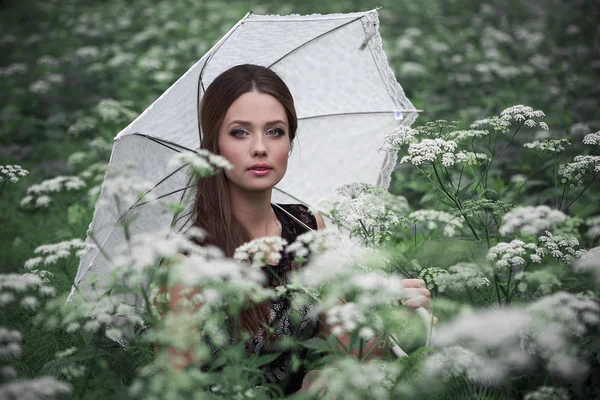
<point>316,344</point>
<point>264,359</point>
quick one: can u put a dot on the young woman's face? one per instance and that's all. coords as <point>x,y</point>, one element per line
<point>255,130</point>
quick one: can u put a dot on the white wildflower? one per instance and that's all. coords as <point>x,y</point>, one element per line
<point>363,207</point>
<point>590,263</point>
<point>113,110</point>
<point>537,283</point>
<point>457,362</point>
<point>467,135</point>
<point>530,220</point>
<point>48,61</point>
<point>494,123</point>
<point>12,173</point>
<point>39,192</point>
<point>202,162</point>
<point>87,52</point>
<point>13,69</point>
<point>261,251</point>
<point>548,393</point>
<point>592,139</point>
<point>45,387</point>
<point>40,87</point>
<point>313,242</point>
<point>51,253</point>
<point>352,380</point>
<point>594,227</point>
<point>560,247</point>
<point>432,218</point>
<point>83,125</point>
<point>10,343</point>
<point>551,145</point>
<point>401,136</point>
<point>524,115</point>
<point>513,339</point>
<point>428,151</point>
<point>581,165</point>
<point>460,277</point>
<point>579,129</point>
<point>511,255</point>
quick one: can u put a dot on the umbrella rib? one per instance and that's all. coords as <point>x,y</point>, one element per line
<point>201,83</point>
<point>163,142</point>
<point>315,38</point>
<point>301,202</point>
<point>357,113</point>
<point>159,197</point>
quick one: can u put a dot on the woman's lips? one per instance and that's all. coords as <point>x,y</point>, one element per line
<point>260,172</point>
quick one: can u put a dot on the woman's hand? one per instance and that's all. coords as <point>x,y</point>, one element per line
<point>415,294</point>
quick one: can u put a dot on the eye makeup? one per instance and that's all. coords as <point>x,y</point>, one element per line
<point>280,132</point>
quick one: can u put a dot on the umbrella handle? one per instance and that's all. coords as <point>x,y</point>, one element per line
<point>426,319</point>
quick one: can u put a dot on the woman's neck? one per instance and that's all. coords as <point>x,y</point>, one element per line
<point>253,210</point>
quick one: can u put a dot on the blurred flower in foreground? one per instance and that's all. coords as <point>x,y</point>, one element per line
<point>530,220</point>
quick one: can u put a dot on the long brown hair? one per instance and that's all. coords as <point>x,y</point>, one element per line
<point>212,205</point>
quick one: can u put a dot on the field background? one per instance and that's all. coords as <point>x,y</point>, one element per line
<point>73,73</point>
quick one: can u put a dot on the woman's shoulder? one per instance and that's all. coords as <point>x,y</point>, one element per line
<point>300,212</point>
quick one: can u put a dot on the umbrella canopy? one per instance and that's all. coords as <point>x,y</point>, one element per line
<point>346,97</point>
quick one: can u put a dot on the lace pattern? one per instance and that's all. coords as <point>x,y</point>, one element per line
<point>286,319</point>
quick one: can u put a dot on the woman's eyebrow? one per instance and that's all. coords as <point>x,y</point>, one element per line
<point>248,123</point>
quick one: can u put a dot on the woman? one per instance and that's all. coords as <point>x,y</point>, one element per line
<point>248,116</point>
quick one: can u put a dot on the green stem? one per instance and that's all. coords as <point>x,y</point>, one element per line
<point>580,193</point>
<point>494,156</point>
<point>457,203</point>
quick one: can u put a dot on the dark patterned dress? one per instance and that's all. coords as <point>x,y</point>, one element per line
<point>303,326</point>
<point>286,319</point>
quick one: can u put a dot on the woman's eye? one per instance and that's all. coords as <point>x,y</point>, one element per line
<point>279,132</point>
<point>235,131</point>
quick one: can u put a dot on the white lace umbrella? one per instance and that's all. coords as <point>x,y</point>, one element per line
<point>346,97</point>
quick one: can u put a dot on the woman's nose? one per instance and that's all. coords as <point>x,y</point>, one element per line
<point>258,146</point>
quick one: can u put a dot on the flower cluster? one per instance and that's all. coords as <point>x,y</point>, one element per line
<point>202,162</point>
<point>12,173</point>
<point>429,151</point>
<point>550,145</point>
<point>112,110</point>
<point>594,227</point>
<point>508,340</point>
<point>574,171</point>
<point>548,393</point>
<point>513,255</point>
<point>51,253</point>
<point>466,135</point>
<point>261,251</point>
<point>364,207</point>
<point>530,220</point>
<point>461,276</point>
<point>592,139</point>
<point>350,379</point>
<point>560,248</point>
<point>589,263</point>
<point>37,195</point>
<point>29,283</point>
<point>401,136</point>
<point>537,283</point>
<point>495,124</point>
<point>525,115</point>
<point>121,190</point>
<point>433,217</point>
<point>313,242</point>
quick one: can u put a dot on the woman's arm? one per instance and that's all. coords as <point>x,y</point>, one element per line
<point>177,358</point>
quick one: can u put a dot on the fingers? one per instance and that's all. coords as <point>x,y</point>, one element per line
<point>407,293</point>
<point>414,283</point>
<point>418,301</point>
